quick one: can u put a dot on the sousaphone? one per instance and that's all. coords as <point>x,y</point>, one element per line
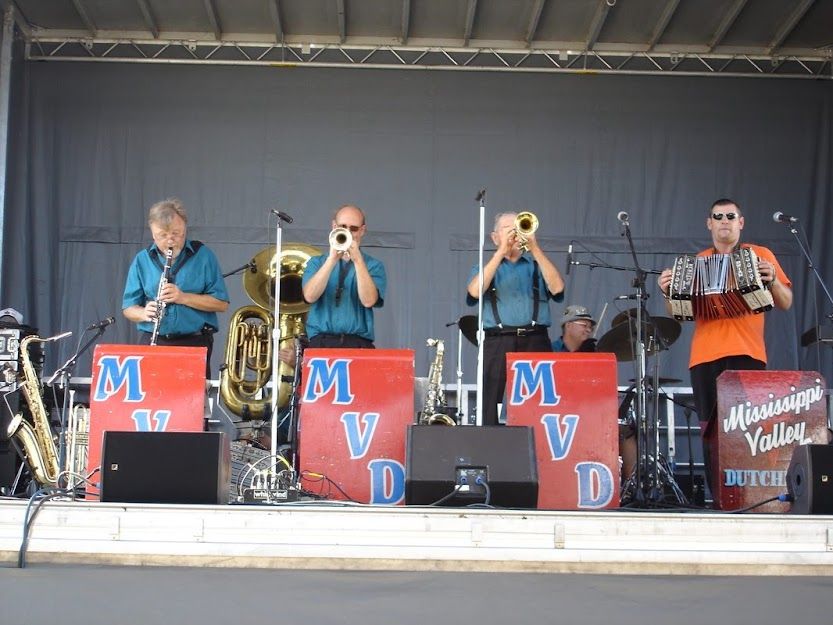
<point>248,357</point>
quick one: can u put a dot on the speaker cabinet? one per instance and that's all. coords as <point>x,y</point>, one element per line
<point>165,467</point>
<point>449,465</point>
<point>810,479</point>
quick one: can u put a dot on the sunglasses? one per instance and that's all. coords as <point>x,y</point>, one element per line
<point>719,216</point>
<point>351,228</point>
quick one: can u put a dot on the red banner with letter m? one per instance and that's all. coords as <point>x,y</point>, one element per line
<point>570,401</point>
<point>355,410</point>
<point>143,388</point>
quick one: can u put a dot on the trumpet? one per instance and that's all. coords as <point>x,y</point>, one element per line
<point>340,239</point>
<point>526,224</point>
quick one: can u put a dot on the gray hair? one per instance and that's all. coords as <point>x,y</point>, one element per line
<point>166,211</point>
<point>500,216</point>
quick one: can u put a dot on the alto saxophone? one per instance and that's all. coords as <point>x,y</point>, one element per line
<point>160,306</point>
<point>435,404</point>
<point>36,438</point>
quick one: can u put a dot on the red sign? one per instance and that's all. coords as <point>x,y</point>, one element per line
<point>570,400</point>
<point>355,409</point>
<point>761,417</point>
<point>139,388</point>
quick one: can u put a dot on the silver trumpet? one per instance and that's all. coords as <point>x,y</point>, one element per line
<point>160,306</point>
<point>340,239</point>
<point>526,224</point>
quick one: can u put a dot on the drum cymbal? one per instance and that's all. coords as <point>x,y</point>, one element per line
<point>621,340</point>
<point>468,326</point>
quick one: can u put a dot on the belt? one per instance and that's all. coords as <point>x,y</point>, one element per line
<point>517,331</point>
<point>171,337</point>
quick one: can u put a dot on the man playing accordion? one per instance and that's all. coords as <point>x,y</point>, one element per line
<point>734,341</point>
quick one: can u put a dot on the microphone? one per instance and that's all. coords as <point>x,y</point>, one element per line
<point>780,218</point>
<point>58,337</point>
<point>282,216</point>
<point>569,257</point>
<point>481,195</point>
<point>623,217</point>
<point>253,267</point>
<point>99,325</point>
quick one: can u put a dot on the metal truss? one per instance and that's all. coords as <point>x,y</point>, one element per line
<point>411,57</point>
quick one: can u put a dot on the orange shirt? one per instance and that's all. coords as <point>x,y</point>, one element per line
<point>735,336</point>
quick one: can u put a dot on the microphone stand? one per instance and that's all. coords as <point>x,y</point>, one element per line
<point>276,342</point>
<point>63,375</point>
<point>641,412</point>
<point>814,334</point>
<point>250,266</point>
<point>481,198</point>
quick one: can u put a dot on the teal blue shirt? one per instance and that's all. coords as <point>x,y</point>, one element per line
<point>349,315</point>
<point>513,282</point>
<point>195,270</point>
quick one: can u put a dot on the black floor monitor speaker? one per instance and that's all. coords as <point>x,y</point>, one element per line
<point>810,479</point>
<point>448,465</point>
<point>165,467</point>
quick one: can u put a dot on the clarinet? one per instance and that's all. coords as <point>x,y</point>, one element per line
<point>160,306</point>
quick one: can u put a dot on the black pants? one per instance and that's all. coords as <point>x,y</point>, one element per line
<point>189,340</point>
<point>704,389</point>
<point>495,349</point>
<point>341,340</point>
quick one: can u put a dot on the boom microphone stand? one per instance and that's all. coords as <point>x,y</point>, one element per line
<point>648,487</point>
<point>816,334</point>
<point>62,375</point>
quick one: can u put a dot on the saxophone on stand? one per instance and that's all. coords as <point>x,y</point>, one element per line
<point>35,438</point>
<point>160,306</point>
<point>433,411</point>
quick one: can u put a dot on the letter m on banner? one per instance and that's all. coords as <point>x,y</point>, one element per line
<point>117,372</point>
<point>532,378</point>
<point>326,375</point>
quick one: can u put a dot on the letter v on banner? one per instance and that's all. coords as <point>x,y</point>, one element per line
<point>358,438</point>
<point>559,438</point>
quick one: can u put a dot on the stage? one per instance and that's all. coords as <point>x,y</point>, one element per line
<point>373,538</point>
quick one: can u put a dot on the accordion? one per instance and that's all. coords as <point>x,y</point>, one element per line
<point>719,286</point>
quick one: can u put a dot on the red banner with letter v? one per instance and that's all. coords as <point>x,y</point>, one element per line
<point>356,406</point>
<point>570,401</point>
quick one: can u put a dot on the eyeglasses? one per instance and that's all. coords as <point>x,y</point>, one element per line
<point>350,228</point>
<point>587,325</point>
<point>719,216</point>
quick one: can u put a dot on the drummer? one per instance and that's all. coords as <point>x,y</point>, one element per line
<point>577,326</point>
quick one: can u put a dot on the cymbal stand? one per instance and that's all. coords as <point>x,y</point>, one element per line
<point>460,416</point>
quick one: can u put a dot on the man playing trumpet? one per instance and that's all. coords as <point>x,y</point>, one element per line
<point>344,286</point>
<point>517,288</point>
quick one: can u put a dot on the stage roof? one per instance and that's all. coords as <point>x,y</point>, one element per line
<point>763,37</point>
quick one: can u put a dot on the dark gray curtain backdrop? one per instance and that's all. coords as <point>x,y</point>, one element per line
<point>95,144</point>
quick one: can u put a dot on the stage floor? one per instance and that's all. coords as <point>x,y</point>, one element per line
<point>356,537</point>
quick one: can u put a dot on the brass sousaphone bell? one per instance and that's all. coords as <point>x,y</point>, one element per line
<point>248,356</point>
